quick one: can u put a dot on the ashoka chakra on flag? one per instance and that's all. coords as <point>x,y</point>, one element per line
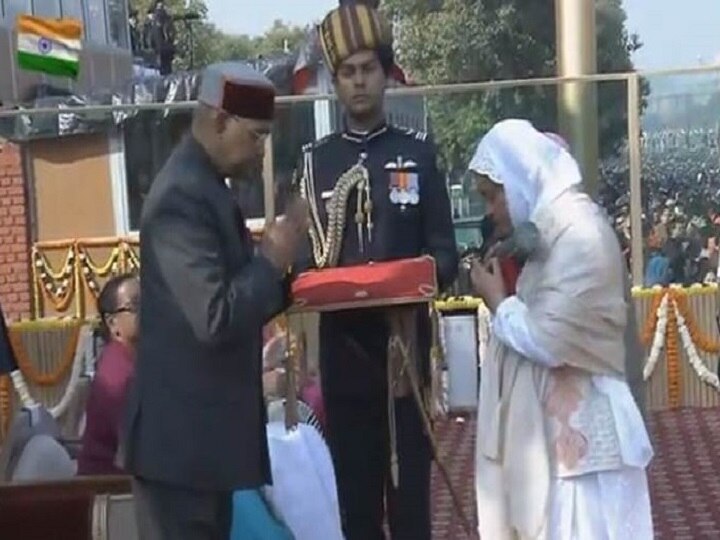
<point>51,46</point>
<point>45,46</point>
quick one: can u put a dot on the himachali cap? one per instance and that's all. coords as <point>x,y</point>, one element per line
<point>238,89</point>
<point>352,28</point>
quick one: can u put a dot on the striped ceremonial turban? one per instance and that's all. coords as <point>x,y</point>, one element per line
<point>352,28</point>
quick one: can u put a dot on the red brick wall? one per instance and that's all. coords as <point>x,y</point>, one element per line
<point>14,236</point>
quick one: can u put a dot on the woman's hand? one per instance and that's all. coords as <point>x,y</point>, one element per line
<point>488,282</point>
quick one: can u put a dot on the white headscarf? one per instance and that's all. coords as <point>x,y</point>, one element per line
<point>533,167</point>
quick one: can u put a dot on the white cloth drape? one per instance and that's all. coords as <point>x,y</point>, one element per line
<point>304,492</point>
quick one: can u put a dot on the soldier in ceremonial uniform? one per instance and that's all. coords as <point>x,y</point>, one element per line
<point>383,182</point>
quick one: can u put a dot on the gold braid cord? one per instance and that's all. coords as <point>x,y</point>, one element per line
<point>402,373</point>
<point>327,243</point>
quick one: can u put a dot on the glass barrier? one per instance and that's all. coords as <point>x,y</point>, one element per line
<point>675,149</point>
<point>458,119</point>
<point>148,139</point>
<point>681,179</point>
<point>295,125</point>
<point>613,188</point>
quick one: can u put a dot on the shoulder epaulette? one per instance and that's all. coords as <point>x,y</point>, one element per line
<point>415,134</point>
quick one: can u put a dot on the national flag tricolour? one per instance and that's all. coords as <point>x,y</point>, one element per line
<point>51,46</point>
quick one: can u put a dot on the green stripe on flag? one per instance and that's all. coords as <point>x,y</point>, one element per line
<point>48,64</point>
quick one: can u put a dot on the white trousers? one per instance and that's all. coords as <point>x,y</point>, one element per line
<point>613,505</point>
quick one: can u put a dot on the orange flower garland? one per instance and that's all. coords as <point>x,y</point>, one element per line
<point>672,354</point>
<point>701,341</point>
<point>677,299</point>
<point>649,329</point>
<point>31,373</point>
<point>61,288</point>
<point>56,286</point>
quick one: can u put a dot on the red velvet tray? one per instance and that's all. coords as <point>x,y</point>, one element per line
<point>404,281</point>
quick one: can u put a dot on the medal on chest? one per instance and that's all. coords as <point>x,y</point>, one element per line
<point>403,182</point>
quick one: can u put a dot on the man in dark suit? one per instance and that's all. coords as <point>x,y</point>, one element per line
<point>196,417</point>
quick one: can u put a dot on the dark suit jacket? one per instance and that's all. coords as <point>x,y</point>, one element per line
<point>196,416</point>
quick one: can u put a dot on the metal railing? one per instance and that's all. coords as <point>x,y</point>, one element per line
<point>631,80</point>
<point>421,90</point>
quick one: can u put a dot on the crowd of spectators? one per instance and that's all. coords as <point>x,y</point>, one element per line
<point>681,205</point>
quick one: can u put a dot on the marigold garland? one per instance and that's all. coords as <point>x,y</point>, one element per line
<point>691,352</point>
<point>15,383</point>
<point>648,331</point>
<point>60,303</point>
<point>28,369</point>
<point>79,273</point>
<point>90,271</point>
<point>700,340</point>
<point>56,286</point>
<point>658,339</point>
<point>41,262</point>
<point>672,356</point>
<point>131,258</point>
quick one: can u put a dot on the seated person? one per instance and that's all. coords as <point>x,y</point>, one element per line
<point>658,271</point>
<point>118,307</point>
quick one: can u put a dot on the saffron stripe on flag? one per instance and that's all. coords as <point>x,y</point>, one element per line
<point>56,29</point>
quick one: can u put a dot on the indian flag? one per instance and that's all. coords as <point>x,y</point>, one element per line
<point>49,45</point>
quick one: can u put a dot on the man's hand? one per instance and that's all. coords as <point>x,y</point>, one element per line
<point>282,238</point>
<point>488,282</point>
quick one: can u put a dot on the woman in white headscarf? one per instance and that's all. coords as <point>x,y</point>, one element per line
<point>561,446</point>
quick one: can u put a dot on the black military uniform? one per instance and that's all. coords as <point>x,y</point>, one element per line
<point>411,216</point>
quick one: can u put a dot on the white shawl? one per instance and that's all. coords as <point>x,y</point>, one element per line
<point>573,289</point>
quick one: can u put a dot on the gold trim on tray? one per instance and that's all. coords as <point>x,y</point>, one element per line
<point>429,291</point>
<point>300,305</point>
